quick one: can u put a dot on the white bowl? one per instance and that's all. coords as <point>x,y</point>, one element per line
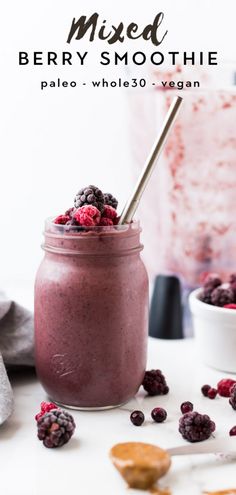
<point>215,332</point>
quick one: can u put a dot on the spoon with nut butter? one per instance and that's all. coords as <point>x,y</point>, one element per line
<point>143,464</point>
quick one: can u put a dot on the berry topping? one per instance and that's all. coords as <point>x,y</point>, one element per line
<point>70,212</point>
<point>137,418</point>
<point>212,393</point>
<point>186,407</point>
<point>232,432</point>
<point>55,428</point>
<point>230,306</point>
<point>232,399</point>
<point>159,414</point>
<point>45,407</point>
<point>87,216</point>
<point>110,200</point>
<point>205,389</point>
<point>154,383</point>
<point>90,195</point>
<point>224,387</point>
<point>109,212</point>
<point>106,222</point>
<point>61,219</point>
<point>196,427</point>
<point>222,295</point>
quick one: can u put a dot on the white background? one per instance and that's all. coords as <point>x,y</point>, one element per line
<point>56,141</point>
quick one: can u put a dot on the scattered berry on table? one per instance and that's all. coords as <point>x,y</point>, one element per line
<point>154,383</point>
<point>205,389</point>
<point>232,399</point>
<point>159,414</point>
<point>232,432</point>
<point>196,427</point>
<point>224,386</point>
<point>87,216</point>
<point>212,393</point>
<point>45,407</point>
<point>90,195</point>
<point>110,200</point>
<point>137,418</point>
<point>55,428</point>
<point>230,306</point>
<point>186,407</point>
<point>222,295</point>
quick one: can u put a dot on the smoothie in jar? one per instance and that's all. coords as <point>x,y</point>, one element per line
<point>91,314</point>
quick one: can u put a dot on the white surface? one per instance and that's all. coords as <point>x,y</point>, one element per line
<point>215,330</point>
<point>83,466</point>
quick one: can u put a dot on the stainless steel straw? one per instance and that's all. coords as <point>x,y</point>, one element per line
<point>132,204</point>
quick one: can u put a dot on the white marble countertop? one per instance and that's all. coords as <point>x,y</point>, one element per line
<point>83,466</point>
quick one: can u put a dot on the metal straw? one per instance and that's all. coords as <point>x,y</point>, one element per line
<point>132,204</point>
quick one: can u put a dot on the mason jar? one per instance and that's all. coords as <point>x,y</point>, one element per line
<point>91,315</point>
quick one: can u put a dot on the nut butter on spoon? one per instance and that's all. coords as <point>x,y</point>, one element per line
<point>140,464</point>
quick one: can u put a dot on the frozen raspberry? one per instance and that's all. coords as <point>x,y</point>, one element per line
<point>154,383</point>
<point>110,200</point>
<point>55,428</point>
<point>224,387</point>
<point>159,414</point>
<point>232,432</point>
<point>230,306</point>
<point>222,295</point>
<point>212,393</point>
<point>186,407</point>
<point>61,219</point>
<point>106,222</point>
<point>90,195</point>
<point>109,212</point>
<point>87,216</point>
<point>205,389</point>
<point>137,418</point>
<point>232,399</point>
<point>45,407</point>
<point>196,427</point>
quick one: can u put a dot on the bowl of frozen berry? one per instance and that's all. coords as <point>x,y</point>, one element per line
<point>213,308</point>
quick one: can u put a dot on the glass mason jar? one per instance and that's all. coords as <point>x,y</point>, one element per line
<point>91,315</point>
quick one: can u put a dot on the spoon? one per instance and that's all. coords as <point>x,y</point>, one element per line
<point>218,445</point>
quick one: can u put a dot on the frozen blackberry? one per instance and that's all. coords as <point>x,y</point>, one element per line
<point>154,383</point>
<point>222,295</point>
<point>196,427</point>
<point>232,399</point>
<point>55,428</point>
<point>110,200</point>
<point>90,195</point>
<point>206,296</point>
<point>212,281</point>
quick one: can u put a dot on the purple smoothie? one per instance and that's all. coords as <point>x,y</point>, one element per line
<point>91,316</point>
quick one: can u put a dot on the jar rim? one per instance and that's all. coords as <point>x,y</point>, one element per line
<point>57,229</point>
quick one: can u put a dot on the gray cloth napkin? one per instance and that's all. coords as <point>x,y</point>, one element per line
<point>16,347</point>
